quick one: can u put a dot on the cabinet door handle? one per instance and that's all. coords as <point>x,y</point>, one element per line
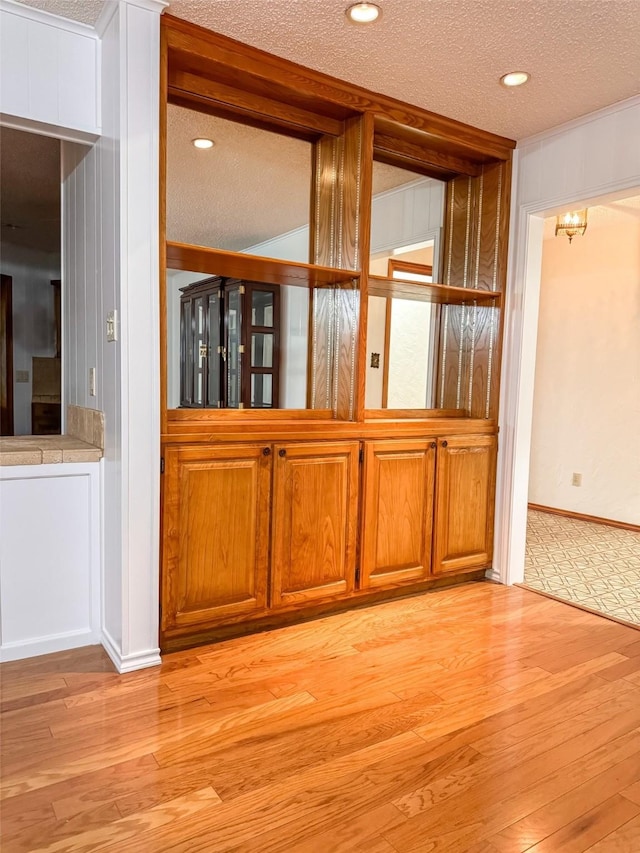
<point>445,443</point>
<point>433,445</point>
<point>266,451</point>
<point>282,452</point>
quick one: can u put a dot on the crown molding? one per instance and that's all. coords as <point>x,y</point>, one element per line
<point>47,18</point>
<point>581,121</point>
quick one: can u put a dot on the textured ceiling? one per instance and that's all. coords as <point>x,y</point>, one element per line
<point>30,190</point>
<point>251,186</point>
<point>446,55</point>
<point>85,11</point>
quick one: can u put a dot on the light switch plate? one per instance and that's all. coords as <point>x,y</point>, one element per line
<point>22,375</point>
<point>112,327</point>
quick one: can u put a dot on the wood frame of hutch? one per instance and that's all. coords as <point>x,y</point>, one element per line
<point>273,516</point>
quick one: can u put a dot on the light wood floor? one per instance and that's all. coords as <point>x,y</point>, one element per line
<point>477,719</point>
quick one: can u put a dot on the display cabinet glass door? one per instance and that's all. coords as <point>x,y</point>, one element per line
<point>263,345</point>
<point>229,350</point>
<point>233,294</point>
<point>216,352</point>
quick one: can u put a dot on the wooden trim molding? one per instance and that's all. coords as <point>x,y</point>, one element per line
<point>226,61</point>
<point>581,516</point>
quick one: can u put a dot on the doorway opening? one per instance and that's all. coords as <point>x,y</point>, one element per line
<point>30,303</point>
<point>583,520</point>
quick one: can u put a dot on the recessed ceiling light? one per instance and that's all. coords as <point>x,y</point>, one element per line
<point>515,78</point>
<point>363,13</point>
<point>201,142</point>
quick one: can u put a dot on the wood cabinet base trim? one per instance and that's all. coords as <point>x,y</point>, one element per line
<point>581,516</point>
<point>175,641</point>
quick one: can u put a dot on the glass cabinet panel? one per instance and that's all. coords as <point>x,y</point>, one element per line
<point>214,395</point>
<point>261,349</point>
<point>199,352</point>
<point>261,391</point>
<point>233,346</point>
<point>262,304</point>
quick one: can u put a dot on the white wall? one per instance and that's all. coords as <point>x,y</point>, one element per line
<point>597,155</point>
<point>49,73</point>
<point>33,318</point>
<point>586,406</point>
<point>294,347</point>
<point>49,558</point>
<point>110,200</point>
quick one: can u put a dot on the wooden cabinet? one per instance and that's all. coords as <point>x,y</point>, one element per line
<point>250,530</point>
<point>315,512</point>
<point>465,493</point>
<point>397,512</point>
<point>216,534</point>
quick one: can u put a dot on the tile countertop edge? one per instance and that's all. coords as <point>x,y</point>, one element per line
<point>46,449</point>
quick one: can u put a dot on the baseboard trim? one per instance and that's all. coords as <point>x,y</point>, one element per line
<point>47,645</point>
<point>129,663</point>
<point>623,525</point>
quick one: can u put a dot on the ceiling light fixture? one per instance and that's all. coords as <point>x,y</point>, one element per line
<point>572,223</point>
<point>515,78</point>
<point>363,13</point>
<point>202,142</point>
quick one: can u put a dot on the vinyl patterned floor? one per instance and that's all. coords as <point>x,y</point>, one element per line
<point>593,565</point>
<point>477,719</point>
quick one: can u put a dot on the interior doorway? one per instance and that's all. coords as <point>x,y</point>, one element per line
<point>583,521</point>
<point>30,308</point>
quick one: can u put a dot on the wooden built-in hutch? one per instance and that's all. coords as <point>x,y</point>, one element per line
<point>270,514</point>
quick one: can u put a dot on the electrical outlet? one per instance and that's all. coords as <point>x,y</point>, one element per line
<point>92,382</point>
<point>112,326</point>
<point>576,480</point>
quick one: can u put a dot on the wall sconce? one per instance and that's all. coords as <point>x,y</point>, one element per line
<point>572,223</point>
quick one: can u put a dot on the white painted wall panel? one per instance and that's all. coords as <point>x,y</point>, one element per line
<point>48,72</point>
<point>49,558</point>
<point>111,258</point>
<point>14,64</point>
<point>406,214</point>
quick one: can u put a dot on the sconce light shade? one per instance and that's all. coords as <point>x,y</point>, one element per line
<point>572,223</point>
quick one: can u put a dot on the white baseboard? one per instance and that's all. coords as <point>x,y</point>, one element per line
<point>129,663</point>
<point>47,645</point>
<point>493,575</point>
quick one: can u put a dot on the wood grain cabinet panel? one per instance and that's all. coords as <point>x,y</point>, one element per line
<point>315,512</point>
<point>465,494</point>
<point>397,516</point>
<point>216,534</point>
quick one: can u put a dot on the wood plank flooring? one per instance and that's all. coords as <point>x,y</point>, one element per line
<point>480,719</point>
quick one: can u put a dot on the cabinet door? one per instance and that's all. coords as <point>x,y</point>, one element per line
<point>465,493</point>
<point>215,534</point>
<point>397,519</point>
<point>315,512</point>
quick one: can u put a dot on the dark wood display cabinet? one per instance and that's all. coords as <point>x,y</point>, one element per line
<point>230,344</point>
